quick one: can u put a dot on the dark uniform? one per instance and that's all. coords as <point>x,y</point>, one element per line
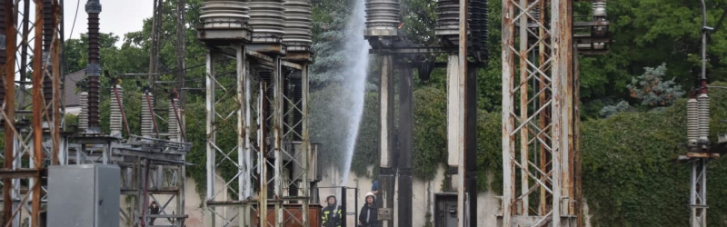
<point>331,215</point>
<point>368,216</point>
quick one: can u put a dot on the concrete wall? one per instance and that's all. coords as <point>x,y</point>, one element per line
<point>423,198</point>
<point>488,204</point>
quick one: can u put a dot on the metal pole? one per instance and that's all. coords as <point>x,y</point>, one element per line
<point>698,194</point>
<point>524,148</point>
<point>461,197</point>
<point>243,181</point>
<point>248,144</point>
<point>9,79</point>
<point>38,107</point>
<point>278,137</point>
<point>262,156</point>
<point>211,133</point>
<point>306,146</point>
<point>56,75</point>
<point>406,116</point>
<point>387,171</point>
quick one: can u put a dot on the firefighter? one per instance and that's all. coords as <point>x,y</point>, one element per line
<point>331,215</point>
<point>368,215</point>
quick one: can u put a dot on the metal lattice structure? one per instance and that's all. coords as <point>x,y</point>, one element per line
<point>267,113</point>
<point>32,139</point>
<point>538,114</point>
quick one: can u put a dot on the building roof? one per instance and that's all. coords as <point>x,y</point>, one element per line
<point>71,95</point>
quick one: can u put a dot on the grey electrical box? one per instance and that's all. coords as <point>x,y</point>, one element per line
<point>446,210</point>
<point>84,195</point>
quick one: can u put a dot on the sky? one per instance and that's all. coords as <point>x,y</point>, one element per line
<point>117,16</point>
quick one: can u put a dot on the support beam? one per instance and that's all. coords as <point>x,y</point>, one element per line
<point>243,143</point>
<point>306,145</point>
<point>698,193</point>
<point>406,124</point>
<point>38,109</point>
<point>278,100</point>
<point>9,118</point>
<point>462,209</point>
<point>387,172</point>
<point>211,132</point>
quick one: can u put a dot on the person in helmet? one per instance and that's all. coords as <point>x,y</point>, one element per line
<point>368,215</point>
<point>331,215</point>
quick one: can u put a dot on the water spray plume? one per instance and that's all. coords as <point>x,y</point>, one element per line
<point>357,64</point>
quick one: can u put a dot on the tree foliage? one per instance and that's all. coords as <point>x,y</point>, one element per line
<point>653,90</point>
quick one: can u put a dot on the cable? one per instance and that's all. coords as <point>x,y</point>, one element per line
<point>78,3</point>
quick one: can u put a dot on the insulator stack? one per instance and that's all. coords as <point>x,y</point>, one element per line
<point>692,122</point>
<point>599,9</point>
<point>266,18</point>
<point>448,23</point>
<point>382,17</point>
<point>174,132</point>
<point>478,25</point>
<point>297,23</point>
<point>83,116</point>
<point>115,118</point>
<point>225,14</point>
<point>447,19</point>
<point>703,100</point>
<point>48,25</point>
<point>147,124</point>
<point>93,70</point>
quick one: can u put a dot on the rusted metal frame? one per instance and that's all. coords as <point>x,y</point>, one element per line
<point>508,147</point>
<point>16,211</point>
<point>305,143</point>
<point>243,170</point>
<point>37,121</point>
<point>577,139</point>
<point>531,175</point>
<point>9,105</point>
<point>462,209</point>
<point>557,119</point>
<point>566,71</point>
<point>543,115</point>
<point>278,137</point>
<point>56,77</point>
<point>524,148</point>
<point>262,207</point>
<point>523,123</point>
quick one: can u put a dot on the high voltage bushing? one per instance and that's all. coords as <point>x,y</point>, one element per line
<point>448,23</point>
<point>266,18</point>
<point>382,17</point>
<point>297,24</point>
<point>173,123</point>
<point>692,122</point>
<point>225,14</point>
<point>93,70</point>
<point>115,121</point>
<point>147,124</point>
<point>703,101</point>
<point>83,116</point>
<point>447,18</point>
